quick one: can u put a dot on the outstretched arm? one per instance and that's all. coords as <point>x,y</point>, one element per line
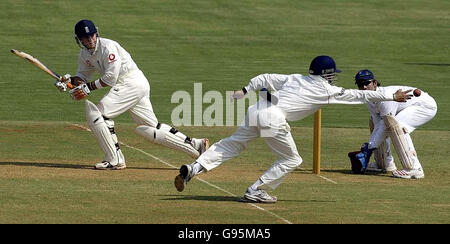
<point>339,95</point>
<point>273,82</point>
<point>264,82</point>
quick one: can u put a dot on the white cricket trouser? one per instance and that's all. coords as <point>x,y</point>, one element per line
<point>131,94</point>
<point>411,118</point>
<point>417,115</point>
<point>414,116</point>
<point>268,122</point>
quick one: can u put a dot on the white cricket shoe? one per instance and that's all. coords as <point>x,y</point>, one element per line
<point>108,166</point>
<point>409,174</point>
<point>259,196</point>
<point>186,174</point>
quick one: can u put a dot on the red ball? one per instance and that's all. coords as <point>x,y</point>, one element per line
<point>417,92</point>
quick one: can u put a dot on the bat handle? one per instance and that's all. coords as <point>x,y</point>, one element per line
<point>68,82</point>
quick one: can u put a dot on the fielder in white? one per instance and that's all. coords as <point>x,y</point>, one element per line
<point>130,91</point>
<point>293,97</point>
<point>395,122</point>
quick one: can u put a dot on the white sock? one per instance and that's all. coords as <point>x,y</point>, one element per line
<point>197,168</point>
<point>255,185</point>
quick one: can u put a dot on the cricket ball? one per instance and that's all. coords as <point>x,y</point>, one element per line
<point>417,92</point>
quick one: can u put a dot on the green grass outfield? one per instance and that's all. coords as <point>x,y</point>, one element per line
<point>46,158</point>
<point>53,182</point>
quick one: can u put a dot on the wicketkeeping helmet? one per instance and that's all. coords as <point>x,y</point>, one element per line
<point>83,28</point>
<point>364,77</point>
<point>325,67</point>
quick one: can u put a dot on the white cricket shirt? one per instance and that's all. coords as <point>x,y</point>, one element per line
<point>301,96</point>
<point>377,110</point>
<point>109,59</point>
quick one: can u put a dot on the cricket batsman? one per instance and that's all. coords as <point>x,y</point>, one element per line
<point>289,98</point>
<point>129,91</point>
<point>394,122</point>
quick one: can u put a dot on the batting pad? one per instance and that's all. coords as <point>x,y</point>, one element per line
<point>398,138</point>
<point>167,136</point>
<point>379,154</point>
<point>107,142</point>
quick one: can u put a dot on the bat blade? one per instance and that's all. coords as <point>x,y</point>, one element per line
<point>40,65</point>
<point>36,63</point>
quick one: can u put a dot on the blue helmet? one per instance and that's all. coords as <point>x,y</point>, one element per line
<point>325,67</point>
<point>85,27</point>
<point>364,77</point>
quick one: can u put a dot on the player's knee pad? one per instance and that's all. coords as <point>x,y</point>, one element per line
<point>110,124</point>
<point>104,133</point>
<point>397,133</point>
<point>379,154</point>
<point>168,136</point>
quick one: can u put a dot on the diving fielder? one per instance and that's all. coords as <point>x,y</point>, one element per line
<point>395,122</point>
<point>294,97</point>
<point>130,91</point>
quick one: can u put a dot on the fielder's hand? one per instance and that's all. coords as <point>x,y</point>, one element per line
<point>238,94</point>
<point>80,92</point>
<point>402,96</point>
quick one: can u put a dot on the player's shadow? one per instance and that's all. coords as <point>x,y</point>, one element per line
<point>367,173</point>
<point>345,172</point>
<point>227,199</point>
<point>341,171</point>
<point>201,198</point>
<point>70,166</point>
<point>350,172</point>
<point>48,165</point>
<point>308,171</point>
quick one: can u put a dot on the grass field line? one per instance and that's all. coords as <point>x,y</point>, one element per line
<point>325,178</point>
<point>204,181</point>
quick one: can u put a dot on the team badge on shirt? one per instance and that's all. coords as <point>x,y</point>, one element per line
<point>112,58</point>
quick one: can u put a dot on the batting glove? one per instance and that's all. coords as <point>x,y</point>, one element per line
<point>80,92</point>
<point>61,85</point>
